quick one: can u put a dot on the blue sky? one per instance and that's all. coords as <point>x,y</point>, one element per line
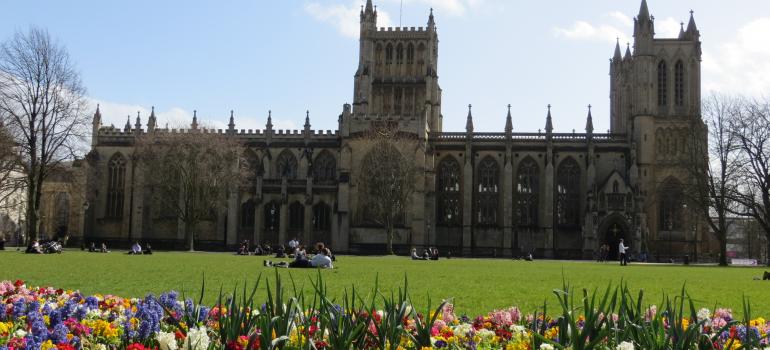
<point>292,55</point>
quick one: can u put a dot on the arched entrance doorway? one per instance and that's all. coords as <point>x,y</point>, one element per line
<point>613,229</point>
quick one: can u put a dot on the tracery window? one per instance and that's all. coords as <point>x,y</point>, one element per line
<point>397,92</point>
<point>322,217</point>
<point>662,83</point>
<point>389,54</point>
<point>399,54</point>
<point>449,193</point>
<point>296,216</point>
<point>679,83</point>
<point>287,165</point>
<point>527,187</point>
<point>568,193</point>
<point>248,213</point>
<point>116,181</point>
<point>324,167</point>
<point>410,54</point>
<point>670,205</point>
<point>488,192</point>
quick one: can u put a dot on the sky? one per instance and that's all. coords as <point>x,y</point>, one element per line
<point>289,56</point>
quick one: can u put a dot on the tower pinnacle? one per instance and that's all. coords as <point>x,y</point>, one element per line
<point>508,121</point>
<point>469,122</point>
<point>616,57</point>
<point>589,122</point>
<point>194,124</point>
<point>549,121</point>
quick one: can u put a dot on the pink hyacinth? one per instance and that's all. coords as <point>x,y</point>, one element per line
<point>448,313</point>
<point>501,318</point>
<point>650,313</point>
<point>724,313</point>
<point>718,322</point>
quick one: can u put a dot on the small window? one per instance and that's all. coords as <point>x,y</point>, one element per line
<point>662,83</point>
<point>679,83</point>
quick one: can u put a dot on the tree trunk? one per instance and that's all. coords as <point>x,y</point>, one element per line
<point>189,232</point>
<point>389,247</point>
<point>723,250</point>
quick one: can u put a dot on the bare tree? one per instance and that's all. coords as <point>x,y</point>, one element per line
<point>714,166</point>
<point>42,99</point>
<point>752,129</point>
<point>387,179</point>
<point>190,173</point>
<point>11,176</point>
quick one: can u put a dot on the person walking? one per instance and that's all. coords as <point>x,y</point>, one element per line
<point>622,252</point>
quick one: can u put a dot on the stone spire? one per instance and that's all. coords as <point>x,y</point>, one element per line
<point>431,20</point>
<point>369,8</point>
<point>508,121</point>
<point>681,31</point>
<point>152,122</point>
<point>548,121</point>
<point>307,120</point>
<point>138,124</point>
<point>127,128</point>
<point>644,11</point>
<point>269,125</point>
<point>469,122</point>
<point>692,29</point>
<point>589,122</point>
<point>231,124</point>
<point>97,122</point>
<point>194,124</point>
<point>617,57</point>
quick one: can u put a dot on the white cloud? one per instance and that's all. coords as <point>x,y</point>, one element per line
<point>582,30</point>
<point>346,18</point>
<point>621,18</point>
<point>667,28</point>
<point>742,64</point>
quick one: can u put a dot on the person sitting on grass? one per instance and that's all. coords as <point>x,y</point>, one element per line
<point>148,249</point>
<point>321,260</point>
<point>92,248</point>
<point>136,249</point>
<point>300,253</point>
<point>415,256</point>
<point>34,248</point>
<point>433,254</point>
<point>103,249</point>
<point>280,252</point>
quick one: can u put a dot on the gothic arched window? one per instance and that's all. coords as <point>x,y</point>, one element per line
<point>296,216</point>
<point>399,54</point>
<point>527,189</point>
<point>410,54</point>
<point>670,205</point>
<point>247,213</point>
<point>397,92</point>
<point>324,167</point>
<point>252,165</point>
<point>568,192</point>
<point>378,54</point>
<point>116,183</point>
<point>449,193</point>
<point>322,217</point>
<point>62,212</point>
<point>287,165</point>
<point>389,54</point>
<point>488,192</point>
<point>679,83</point>
<point>272,214</point>
<point>662,83</point>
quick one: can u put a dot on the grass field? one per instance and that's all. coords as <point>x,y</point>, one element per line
<point>476,285</point>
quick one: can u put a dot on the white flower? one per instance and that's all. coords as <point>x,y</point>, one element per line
<point>197,339</point>
<point>20,333</point>
<point>463,329</point>
<point>100,347</point>
<point>485,334</point>
<point>704,314</point>
<point>625,346</point>
<point>546,347</point>
<point>167,341</point>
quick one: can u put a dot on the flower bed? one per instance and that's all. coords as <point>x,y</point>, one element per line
<point>48,318</point>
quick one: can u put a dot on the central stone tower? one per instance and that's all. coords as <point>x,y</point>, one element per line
<point>397,76</point>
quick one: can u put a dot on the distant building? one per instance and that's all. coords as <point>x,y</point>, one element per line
<point>63,203</point>
<point>507,192</point>
<point>745,239</point>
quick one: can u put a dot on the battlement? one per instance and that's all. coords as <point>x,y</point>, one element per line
<point>402,29</point>
<point>281,133</point>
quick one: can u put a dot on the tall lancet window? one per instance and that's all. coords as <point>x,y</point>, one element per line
<point>410,54</point>
<point>662,83</point>
<point>116,186</point>
<point>488,192</point>
<point>527,187</point>
<point>399,54</point>
<point>679,83</point>
<point>568,192</point>
<point>670,206</point>
<point>389,54</point>
<point>449,193</point>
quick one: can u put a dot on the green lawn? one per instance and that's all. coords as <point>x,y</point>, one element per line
<point>476,285</point>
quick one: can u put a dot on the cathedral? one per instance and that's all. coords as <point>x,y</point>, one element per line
<point>505,193</point>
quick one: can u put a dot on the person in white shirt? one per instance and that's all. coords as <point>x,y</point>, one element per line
<point>321,260</point>
<point>293,244</point>
<point>622,252</point>
<point>136,249</point>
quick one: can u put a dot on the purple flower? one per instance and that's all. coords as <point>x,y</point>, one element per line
<point>59,334</point>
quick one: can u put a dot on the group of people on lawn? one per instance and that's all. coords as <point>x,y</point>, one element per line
<point>427,254</point>
<point>322,258</point>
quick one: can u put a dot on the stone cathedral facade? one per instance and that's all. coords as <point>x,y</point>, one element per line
<point>499,193</point>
